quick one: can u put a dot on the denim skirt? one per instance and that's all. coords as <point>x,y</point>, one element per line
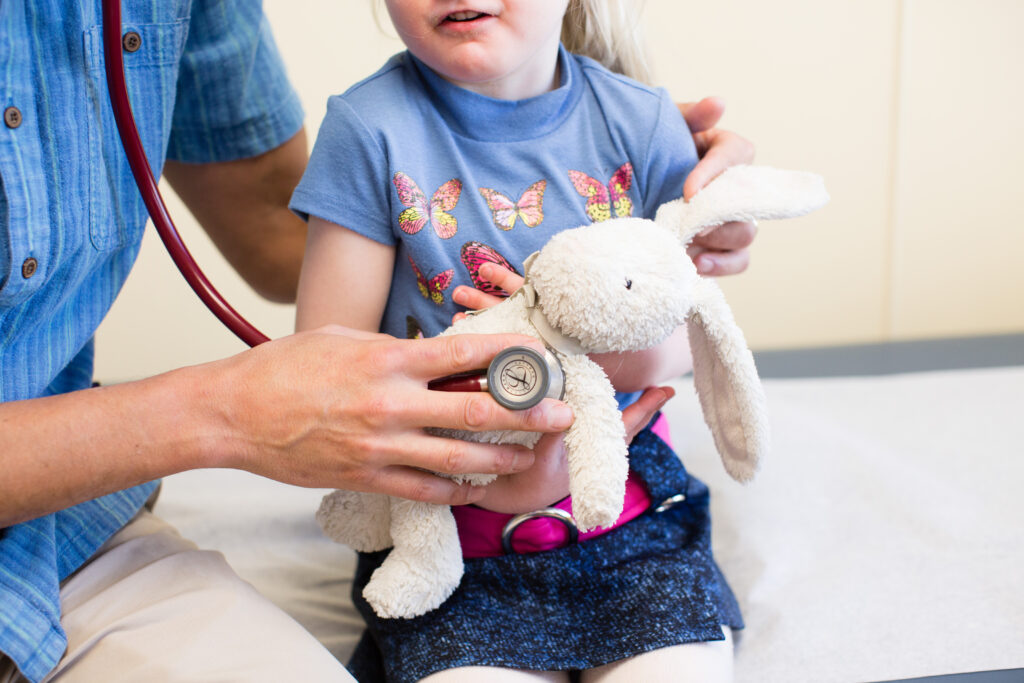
<point>649,584</point>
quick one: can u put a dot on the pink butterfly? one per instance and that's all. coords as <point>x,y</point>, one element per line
<point>601,199</point>
<point>433,288</point>
<point>529,207</point>
<point>474,255</point>
<point>420,210</point>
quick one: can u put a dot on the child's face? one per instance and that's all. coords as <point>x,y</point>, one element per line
<point>501,48</point>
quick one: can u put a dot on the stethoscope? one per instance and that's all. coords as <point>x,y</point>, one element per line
<point>518,378</point>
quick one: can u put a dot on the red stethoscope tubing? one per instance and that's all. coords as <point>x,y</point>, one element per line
<point>150,191</point>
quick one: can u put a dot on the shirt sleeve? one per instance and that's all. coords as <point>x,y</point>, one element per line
<point>233,97</point>
<point>671,155</point>
<point>346,181</point>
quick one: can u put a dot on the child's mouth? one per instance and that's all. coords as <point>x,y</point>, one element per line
<point>465,16</point>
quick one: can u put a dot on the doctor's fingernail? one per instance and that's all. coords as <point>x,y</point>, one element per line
<point>705,265</point>
<point>522,461</point>
<point>560,416</point>
<point>475,493</point>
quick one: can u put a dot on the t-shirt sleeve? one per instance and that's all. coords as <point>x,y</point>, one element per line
<point>346,179</point>
<point>671,155</point>
<point>233,98</point>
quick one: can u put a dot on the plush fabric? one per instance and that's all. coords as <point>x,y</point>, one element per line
<point>623,284</point>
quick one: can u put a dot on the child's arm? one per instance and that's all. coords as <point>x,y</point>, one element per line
<point>345,278</point>
<point>637,370</point>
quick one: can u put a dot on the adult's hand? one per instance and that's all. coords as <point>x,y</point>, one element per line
<point>330,408</point>
<point>340,408</point>
<point>723,250</point>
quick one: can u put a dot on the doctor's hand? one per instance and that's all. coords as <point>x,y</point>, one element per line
<point>723,250</point>
<point>340,408</point>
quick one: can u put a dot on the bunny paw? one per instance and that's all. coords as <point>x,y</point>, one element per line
<point>400,590</point>
<point>590,515</point>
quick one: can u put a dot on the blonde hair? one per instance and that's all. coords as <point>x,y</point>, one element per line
<point>609,32</point>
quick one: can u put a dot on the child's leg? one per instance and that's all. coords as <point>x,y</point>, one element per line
<point>495,674</point>
<point>696,662</point>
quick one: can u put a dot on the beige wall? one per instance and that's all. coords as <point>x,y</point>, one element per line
<point>910,109</point>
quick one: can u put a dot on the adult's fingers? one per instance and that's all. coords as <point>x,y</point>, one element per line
<point>427,359</point>
<point>718,149</point>
<point>703,115</point>
<point>478,411</point>
<point>413,484</point>
<point>718,263</point>
<point>637,415</point>
<point>726,237</point>
<point>452,456</point>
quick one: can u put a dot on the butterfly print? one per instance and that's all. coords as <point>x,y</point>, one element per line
<point>413,329</point>
<point>529,208</point>
<point>419,210</point>
<point>602,199</point>
<point>474,255</point>
<point>433,288</point>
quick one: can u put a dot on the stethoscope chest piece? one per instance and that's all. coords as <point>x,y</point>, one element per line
<point>520,377</point>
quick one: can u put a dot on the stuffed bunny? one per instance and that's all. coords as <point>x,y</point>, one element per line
<point>624,284</point>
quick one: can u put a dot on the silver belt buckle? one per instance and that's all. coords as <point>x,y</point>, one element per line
<point>671,502</point>
<point>554,513</point>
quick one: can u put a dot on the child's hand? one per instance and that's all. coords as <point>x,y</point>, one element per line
<point>547,481</point>
<point>475,299</point>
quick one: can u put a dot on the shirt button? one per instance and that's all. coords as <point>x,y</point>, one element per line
<point>131,42</point>
<point>12,117</point>
<point>29,267</point>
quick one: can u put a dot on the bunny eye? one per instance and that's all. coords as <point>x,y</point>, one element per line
<point>629,283</point>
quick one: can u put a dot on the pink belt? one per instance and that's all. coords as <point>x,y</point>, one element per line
<point>485,533</point>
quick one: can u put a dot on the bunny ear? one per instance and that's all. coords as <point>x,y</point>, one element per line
<point>744,193</point>
<point>727,385</point>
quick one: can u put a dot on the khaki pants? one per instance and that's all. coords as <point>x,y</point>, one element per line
<point>150,606</point>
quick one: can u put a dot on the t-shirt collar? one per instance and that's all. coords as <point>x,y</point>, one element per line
<point>489,119</point>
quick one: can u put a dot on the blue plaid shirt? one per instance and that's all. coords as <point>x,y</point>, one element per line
<point>207,85</point>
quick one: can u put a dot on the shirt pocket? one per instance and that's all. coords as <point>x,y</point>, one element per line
<point>151,52</point>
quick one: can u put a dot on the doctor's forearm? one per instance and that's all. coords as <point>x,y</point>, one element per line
<point>243,206</point>
<point>62,450</point>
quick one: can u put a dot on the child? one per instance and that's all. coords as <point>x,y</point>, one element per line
<point>476,146</point>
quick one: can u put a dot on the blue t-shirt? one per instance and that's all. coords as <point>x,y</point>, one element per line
<point>207,85</point>
<point>451,178</point>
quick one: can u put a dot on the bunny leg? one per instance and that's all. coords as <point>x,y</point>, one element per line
<point>596,445</point>
<point>424,567</point>
<point>359,520</point>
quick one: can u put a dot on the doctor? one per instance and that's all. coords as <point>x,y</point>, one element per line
<point>92,586</point>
